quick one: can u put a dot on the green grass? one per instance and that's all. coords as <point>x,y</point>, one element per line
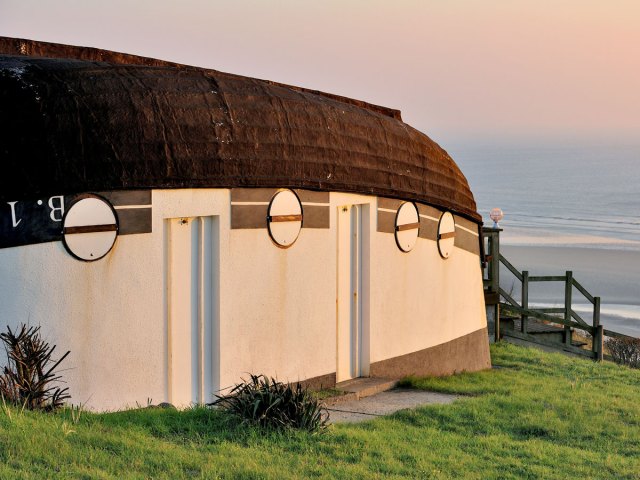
<point>539,416</point>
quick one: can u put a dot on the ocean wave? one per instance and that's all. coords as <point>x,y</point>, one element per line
<point>596,221</point>
<point>523,237</point>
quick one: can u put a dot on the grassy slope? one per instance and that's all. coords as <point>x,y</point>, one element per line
<point>539,416</point>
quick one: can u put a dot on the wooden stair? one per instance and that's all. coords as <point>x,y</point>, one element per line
<point>538,328</point>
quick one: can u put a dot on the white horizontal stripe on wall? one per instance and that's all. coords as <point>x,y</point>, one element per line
<point>430,218</point>
<point>467,230</point>
<point>131,207</point>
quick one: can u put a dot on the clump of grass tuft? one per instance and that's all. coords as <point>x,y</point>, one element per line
<point>28,378</point>
<point>268,403</point>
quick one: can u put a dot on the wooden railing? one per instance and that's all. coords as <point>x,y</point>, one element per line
<point>564,316</point>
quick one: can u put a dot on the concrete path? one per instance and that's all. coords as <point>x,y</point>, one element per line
<point>384,403</point>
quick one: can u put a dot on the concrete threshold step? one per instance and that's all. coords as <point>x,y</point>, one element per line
<point>359,388</point>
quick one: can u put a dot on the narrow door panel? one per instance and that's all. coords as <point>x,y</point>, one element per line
<point>192,309</point>
<point>352,326</point>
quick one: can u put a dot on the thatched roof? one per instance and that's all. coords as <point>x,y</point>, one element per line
<point>76,119</point>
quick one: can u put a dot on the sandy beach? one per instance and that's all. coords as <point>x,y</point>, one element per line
<point>613,275</point>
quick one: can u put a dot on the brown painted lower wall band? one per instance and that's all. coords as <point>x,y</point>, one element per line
<point>319,383</point>
<point>469,353</point>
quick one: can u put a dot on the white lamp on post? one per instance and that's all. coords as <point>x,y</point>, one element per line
<point>496,215</point>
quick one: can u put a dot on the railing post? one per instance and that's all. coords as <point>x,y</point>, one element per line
<point>524,300</point>
<point>598,334</point>
<point>568,290</point>
<point>495,261</point>
<point>598,343</point>
<point>495,279</point>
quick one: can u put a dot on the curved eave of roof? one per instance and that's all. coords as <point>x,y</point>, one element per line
<point>73,123</point>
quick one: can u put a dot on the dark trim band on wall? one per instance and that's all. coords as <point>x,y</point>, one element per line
<point>315,208</point>
<point>39,220</point>
<point>429,218</point>
<point>309,196</point>
<point>249,208</point>
<point>249,216</point>
<point>127,197</point>
<point>134,220</point>
<point>315,216</point>
<point>252,195</point>
<point>134,209</point>
<point>387,210</point>
<point>467,235</point>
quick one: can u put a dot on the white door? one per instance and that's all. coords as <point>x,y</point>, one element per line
<point>352,292</point>
<point>192,309</point>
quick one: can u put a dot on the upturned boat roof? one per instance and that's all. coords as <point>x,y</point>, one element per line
<point>76,119</point>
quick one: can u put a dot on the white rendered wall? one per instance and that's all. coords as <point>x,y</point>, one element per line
<point>277,310</point>
<point>110,313</point>
<point>419,300</point>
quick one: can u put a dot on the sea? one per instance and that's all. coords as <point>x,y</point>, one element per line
<point>582,195</point>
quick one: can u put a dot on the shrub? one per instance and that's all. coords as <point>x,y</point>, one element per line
<point>270,404</point>
<point>27,379</point>
<point>625,351</point>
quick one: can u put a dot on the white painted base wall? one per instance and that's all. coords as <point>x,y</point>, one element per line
<point>274,310</point>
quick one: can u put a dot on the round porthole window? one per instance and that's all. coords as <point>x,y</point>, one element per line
<point>446,234</point>
<point>90,228</point>
<point>284,218</point>
<point>407,226</point>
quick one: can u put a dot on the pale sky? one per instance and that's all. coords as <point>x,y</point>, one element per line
<point>456,68</point>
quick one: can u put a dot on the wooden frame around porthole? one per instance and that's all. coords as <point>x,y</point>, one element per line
<point>406,227</point>
<point>282,218</point>
<point>443,249</point>
<point>99,228</point>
